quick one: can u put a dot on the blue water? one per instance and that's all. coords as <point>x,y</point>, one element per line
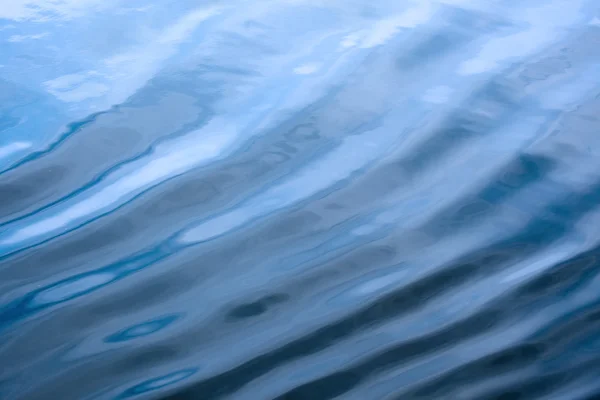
<point>300,199</point>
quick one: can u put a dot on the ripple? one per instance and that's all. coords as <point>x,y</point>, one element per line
<point>299,199</point>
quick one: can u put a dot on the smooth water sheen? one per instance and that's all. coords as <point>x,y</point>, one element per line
<point>299,199</point>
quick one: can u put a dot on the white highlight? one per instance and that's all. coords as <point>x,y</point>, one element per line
<point>66,290</point>
<point>544,24</point>
<point>13,148</point>
<point>75,87</point>
<point>350,40</point>
<point>122,74</point>
<point>40,10</point>
<point>168,159</point>
<point>307,69</point>
<point>22,38</point>
<point>385,29</point>
<point>340,164</point>
<point>379,283</point>
<point>437,95</point>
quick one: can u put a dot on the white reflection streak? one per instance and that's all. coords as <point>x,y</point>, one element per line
<point>39,10</point>
<point>127,72</point>
<point>307,69</point>
<point>379,283</point>
<point>22,38</point>
<point>168,160</point>
<point>122,74</point>
<point>385,29</point>
<point>543,25</point>
<point>69,289</point>
<point>355,153</point>
<point>135,177</point>
<point>14,147</point>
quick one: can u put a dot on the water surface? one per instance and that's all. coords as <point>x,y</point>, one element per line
<point>300,199</point>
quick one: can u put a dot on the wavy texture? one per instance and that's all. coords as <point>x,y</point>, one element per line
<point>297,199</point>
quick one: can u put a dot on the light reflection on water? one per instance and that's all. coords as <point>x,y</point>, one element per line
<point>298,199</point>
